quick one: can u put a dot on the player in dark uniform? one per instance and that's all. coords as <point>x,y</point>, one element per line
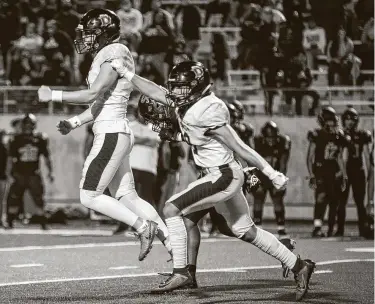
<point>326,167</point>
<point>25,150</point>
<point>359,147</point>
<point>244,129</point>
<point>275,149</point>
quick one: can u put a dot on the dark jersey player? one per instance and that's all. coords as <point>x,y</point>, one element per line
<point>25,150</point>
<point>274,147</point>
<point>325,163</point>
<point>358,160</point>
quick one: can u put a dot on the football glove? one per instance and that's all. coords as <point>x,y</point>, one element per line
<point>252,181</point>
<point>64,127</point>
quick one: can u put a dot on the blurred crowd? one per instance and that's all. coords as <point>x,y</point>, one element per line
<point>37,43</point>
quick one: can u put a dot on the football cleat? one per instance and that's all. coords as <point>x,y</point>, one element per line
<point>146,238</point>
<point>192,285</point>
<point>318,233</point>
<point>176,281</point>
<point>302,277</point>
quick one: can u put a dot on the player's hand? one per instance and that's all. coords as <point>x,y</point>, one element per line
<point>10,179</point>
<point>344,182</point>
<point>279,181</point>
<point>370,209</point>
<point>167,134</point>
<point>120,66</point>
<point>252,181</point>
<point>64,127</point>
<point>312,182</point>
<point>44,94</point>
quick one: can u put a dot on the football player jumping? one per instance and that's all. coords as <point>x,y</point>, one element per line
<point>204,124</point>
<point>108,161</point>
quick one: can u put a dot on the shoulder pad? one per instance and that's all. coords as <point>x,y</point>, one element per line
<point>42,135</point>
<point>368,136</point>
<point>115,51</point>
<point>213,114</point>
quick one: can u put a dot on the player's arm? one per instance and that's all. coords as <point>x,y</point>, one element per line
<point>47,157</point>
<point>311,158</point>
<point>367,150</point>
<point>229,137</point>
<point>105,80</point>
<point>146,87</point>
<point>284,158</point>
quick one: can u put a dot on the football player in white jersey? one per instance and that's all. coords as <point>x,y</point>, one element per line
<point>107,164</point>
<point>204,124</point>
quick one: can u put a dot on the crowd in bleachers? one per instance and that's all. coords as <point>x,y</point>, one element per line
<point>37,38</point>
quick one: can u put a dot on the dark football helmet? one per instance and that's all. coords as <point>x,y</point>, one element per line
<point>270,129</point>
<point>188,81</point>
<point>155,113</point>
<point>240,109</point>
<point>326,115</point>
<point>350,114</point>
<point>97,28</point>
<point>28,123</point>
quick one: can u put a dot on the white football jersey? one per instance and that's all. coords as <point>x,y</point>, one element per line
<point>208,113</point>
<point>110,107</point>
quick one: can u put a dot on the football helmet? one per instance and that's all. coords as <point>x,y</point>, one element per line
<point>97,28</point>
<point>155,113</point>
<point>240,109</point>
<point>188,81</point>
<point>270,129</point>
<point>328,114</point>
<point>28,123</point>
<point>350,114</point>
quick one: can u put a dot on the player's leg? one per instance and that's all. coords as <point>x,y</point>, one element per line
<point>341,210</point>
<point>279,208</point>
<point>102,163</point>
<point>359,191</point>
<point>215,187</point>
<point>36,188</point>
<point>123,188</point>
<point>237,214</point>
<point>15,198</point>
<point>319,208</point>
<point>259,198</point>
<point>334,195</point>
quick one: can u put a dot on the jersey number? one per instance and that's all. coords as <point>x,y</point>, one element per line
<point>28,154</point>
<point>330,151</point>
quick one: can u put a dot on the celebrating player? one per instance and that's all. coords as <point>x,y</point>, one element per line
<point>203,120</point>
<point>325,163</point>
<point>359,146</point>
<point>108,161</point>
<point>275,148</point>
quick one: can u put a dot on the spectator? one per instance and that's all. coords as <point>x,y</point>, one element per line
<point>131,22</point>
<point>367,50</point>
<point>314,43</point>
<point>157,36</point>
<point>32,12</point>
<point>220,59</point>
<point>341,58</point>
<point>30,41</point>
<point>289,42</point>
<point>9,20</point>
<point>188,18</point>
<point>298,76</point>
<point>248,47</point>
<point>67,18</point>
<point>217,13</point>
<point>57,41</point>
<point>50,10</point>
<point>350,20</point>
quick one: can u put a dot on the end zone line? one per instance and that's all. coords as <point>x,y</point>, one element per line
<point>93,245</point>
<point>150,274</point>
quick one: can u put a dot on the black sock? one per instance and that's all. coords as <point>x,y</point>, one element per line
<point>258,214</point>
<point>192,270</point>
<point>280,218</point>
<point>298,266</point>
<point>180,270</point>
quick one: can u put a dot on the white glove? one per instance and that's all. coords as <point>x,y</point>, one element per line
<point>121,67</point>
<point>279,181</point>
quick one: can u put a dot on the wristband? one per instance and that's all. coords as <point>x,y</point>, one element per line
<point>75,122</point>
<point>269,172</point>
<point>128,75</point>
<point>57,96</point>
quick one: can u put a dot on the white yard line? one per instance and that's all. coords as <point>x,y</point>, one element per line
<point>363,249</point>
<point>323,271</point>
<point>96,245</point>
<point>25,265</point>
<point>123,267</point>
<point>234,269</point>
